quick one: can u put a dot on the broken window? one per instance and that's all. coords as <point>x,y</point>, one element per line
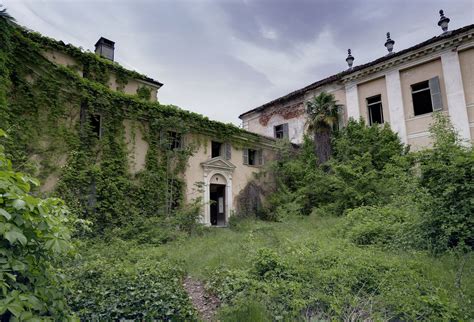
<point>216,148</point>
<point>174,140</point>
<point>95,121</point>
<point>426,96</point>
<point>253,157</point>
<point>281,131</point>
<point>221,149</point>
<point>374,106</point>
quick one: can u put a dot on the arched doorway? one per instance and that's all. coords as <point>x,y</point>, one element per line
<point>217,191</point>
<point>217,200</point>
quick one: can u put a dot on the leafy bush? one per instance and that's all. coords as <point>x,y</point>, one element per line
<point>110,284</point>
<point>358,139</point>
<point>387,226</point>
<point>447,172</point>
<point>338,282</point>
<point>34,237</point>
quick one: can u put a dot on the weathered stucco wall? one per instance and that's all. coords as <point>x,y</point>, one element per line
<point>62,59</point>
<point>194,173</point>
<point>369,89</point>
<point>466,60</point>
<point>132,86</point>
<point>417,126</point>
<point>137,147</point>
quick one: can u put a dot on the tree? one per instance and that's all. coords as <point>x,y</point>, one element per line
<point>34,237</point>
<point>4,15</point>
<point>323,116</point>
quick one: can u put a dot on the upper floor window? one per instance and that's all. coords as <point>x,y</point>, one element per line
<point>281,131</point>
<point>95,122</point>
<point>174,140</point>
<point>374,106</point>
<point>253,157</point>
<point>219,149</point>
<point>216,148</point>
<point>426,96</point>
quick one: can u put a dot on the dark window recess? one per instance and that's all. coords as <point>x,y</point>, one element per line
<point>216,149</point>
<point>175,188</point>
<point>426,96</point>
<point>95,124</point>
<point>374,105</point>
<point>421,98</point>
<point>174,140</point>
<point>281,131</point>
<point>253,157</point>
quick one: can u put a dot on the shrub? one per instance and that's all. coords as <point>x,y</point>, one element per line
<point>34,237</point>
<point>447,172</point>
<point>387,226</point>
<point>334,280</point>
<point>358,139</point>
<point>119,286</point>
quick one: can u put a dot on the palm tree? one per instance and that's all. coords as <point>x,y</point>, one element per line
<point>323,116</point>
<point>4,15</point>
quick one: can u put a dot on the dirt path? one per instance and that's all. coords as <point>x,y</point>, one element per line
<point>206,304</point>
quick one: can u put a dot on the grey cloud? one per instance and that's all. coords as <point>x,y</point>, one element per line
<point>220,58</point>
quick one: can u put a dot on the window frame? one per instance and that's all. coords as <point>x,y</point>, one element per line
<point>433,87</point>
<point>369,110</point>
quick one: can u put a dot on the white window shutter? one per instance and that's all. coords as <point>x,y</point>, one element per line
<point>163,138</point>
<point>286,131</point>
<point>246,156</point>
<point>228,151</point>
<point>435,89</point>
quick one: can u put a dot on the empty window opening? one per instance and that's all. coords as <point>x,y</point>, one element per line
<point>95,121</point>
<point>427,96</point>
<point>421,95</point>
<point>281,131</point>
<point>374,105</point>
<point>216,149</point>
<point>174,140</point>
<point>253,157</point>
<point>217,204</point>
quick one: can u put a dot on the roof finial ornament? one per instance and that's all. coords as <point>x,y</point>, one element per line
<point>349,59</point>
<point>389,44</point>
<point>443,21</point>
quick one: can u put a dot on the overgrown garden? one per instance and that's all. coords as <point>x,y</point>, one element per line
<point>354,227</point>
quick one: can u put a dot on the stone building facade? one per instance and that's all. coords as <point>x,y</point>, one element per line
<point>402,88</point>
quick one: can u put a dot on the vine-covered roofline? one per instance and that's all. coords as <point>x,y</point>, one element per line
<point>136,107</point>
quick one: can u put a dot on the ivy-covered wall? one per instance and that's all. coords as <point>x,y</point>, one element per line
<point>48,110</point>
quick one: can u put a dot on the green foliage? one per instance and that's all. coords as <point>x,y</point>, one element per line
<point>337,281</point>
<point>245,310</point>
<point>323,116</point>
<point>357,139</point>
<point>112,283</point>
<point>447,172</point>
<point>385,226</point>
<point>94,175</point>
<point>34,238</point>
<point>144,93</point>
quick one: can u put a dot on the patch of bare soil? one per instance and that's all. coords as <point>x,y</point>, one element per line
<point>206,304</point>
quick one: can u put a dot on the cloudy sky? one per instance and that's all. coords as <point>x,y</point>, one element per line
<point>221,58</point>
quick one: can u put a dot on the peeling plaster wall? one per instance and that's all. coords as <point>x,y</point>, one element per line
<point>466,60</point>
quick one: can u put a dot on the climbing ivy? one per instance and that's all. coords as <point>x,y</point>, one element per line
<point>46,109</point>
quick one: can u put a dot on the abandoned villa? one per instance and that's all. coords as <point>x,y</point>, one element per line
<point>402,88</point>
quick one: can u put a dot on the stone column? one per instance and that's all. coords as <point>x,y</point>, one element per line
<point>395,104</point>
<point>352,101</point>
<point>455,93</point>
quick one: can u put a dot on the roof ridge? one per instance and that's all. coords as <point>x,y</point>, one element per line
<point>343,73</point>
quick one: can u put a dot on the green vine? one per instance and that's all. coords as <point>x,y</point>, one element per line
<point>46,110</point>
